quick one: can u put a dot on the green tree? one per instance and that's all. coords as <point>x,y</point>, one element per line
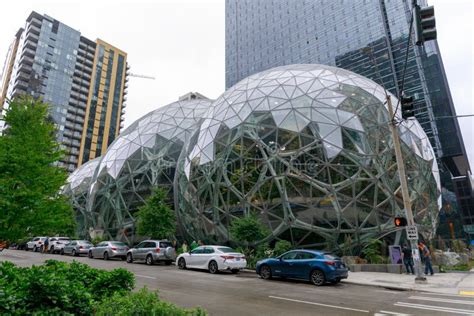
<point>248,229</point>
<point>156,219</point>
<point>30,182</point>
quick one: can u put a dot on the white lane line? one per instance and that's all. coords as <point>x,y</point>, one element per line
<point>444,300</point>
<point>145,276</point>
<point>440,294</point>
<point>435,308</point>
<point>395,313</point>
<point>319,304</point>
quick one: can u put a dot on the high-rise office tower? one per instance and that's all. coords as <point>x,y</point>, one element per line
<point>84,81</point>
<point>368,37</point>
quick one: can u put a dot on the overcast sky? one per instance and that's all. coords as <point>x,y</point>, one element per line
<point>181,44</point>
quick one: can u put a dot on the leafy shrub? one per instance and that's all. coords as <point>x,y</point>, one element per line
<point>58,288</point>
<point>281,247</point>
<point>372,252</point>
<point>143,302</point>
<point>248,230</point>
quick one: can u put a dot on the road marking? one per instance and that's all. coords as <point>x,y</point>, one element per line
<point>470,293</point>
<point>395,313</point>
<point>319,304</point>
<point>435,308</point>
<point>444,300</point>
<point>145,276</point>
<point>440,294</point>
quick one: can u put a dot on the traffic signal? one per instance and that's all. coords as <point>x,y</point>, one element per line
<point>400,221</point>
<point>408,109</point>
<point>425,24</point>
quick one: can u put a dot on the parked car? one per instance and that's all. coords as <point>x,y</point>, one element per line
<point>58,243</point>
<point>152,251</point>
<point>315,266</point>
<point>213,259</point>
<point>35,244</point>
<point>77,247</point>
<point>108,250</point>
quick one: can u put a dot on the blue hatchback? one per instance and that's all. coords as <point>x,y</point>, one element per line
<point>315,266</point>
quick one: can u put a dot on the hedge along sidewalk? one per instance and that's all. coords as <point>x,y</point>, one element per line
<point>443,283</point>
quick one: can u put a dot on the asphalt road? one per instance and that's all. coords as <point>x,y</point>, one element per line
<point>246,294</point>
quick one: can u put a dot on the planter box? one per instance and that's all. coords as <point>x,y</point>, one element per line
<point>387,268</point>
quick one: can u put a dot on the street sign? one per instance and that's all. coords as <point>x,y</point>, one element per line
<point>412,232</point>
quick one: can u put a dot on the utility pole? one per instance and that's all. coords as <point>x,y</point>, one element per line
<point>411,228</point>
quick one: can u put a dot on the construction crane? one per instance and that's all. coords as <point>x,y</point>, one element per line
<point>141,76</point>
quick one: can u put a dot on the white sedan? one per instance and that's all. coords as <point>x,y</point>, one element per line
<point>213,259</point>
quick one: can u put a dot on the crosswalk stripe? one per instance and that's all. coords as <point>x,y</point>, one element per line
<point>435,308</point>
<point>444,300</point>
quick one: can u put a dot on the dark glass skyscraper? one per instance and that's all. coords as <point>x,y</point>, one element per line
<point>370,38</point>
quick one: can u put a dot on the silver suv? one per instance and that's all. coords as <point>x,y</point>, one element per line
<point>152,251</point>
<point>58,243</point>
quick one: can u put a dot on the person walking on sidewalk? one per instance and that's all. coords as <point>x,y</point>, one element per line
<point>425,253</point>
<point>408,259</point>
<point>46,245</point>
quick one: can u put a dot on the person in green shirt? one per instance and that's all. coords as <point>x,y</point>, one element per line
<point>193,245</point>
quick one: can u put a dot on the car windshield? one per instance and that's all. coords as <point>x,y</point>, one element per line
<point>226,249</point>
<point>118,243</point>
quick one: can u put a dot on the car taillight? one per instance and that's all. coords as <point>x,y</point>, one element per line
<point>114,248</point>
<point>330,263</point>
<point>157,250</point>
<point>40,242</point>
<point>227,257</point>
<point>243,257</point>
<point>80,247</point>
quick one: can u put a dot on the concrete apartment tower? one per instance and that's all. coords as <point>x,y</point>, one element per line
<point>368,37</point>
<point>84,81</point>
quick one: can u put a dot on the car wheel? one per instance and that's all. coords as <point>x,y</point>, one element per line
<point>182,263</point>
<point>149,260</point>
<point>35,249</point>
<point>265,272</point>
<point>317,277</point>
<point>62,252</point>
<point>235,271</point>
<point>74,254</point>
<point>213,268</point>
<point>106,255</point>
<point>51,250</point>
<point>129,258</point>
<point>90,255</point>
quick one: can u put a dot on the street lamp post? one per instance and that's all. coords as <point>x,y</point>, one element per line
<point>420,278</point>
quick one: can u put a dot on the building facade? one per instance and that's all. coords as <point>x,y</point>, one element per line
<point>367,37</point>
<point>84,82</point>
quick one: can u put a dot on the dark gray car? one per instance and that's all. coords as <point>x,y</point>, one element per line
<point>109,249</point>
<point>152,251</point>
<point>77,247</point>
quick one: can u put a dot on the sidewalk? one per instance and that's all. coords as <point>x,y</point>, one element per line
<point>444,283</point>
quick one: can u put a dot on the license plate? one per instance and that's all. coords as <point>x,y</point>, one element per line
<point>238,259</point>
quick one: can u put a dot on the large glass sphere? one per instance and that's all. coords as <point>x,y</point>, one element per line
<point>308,149</point>
<point>142,157</point>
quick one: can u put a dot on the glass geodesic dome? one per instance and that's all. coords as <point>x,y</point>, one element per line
<point>144,156</point>
<point>308,149</point>
<point>77,189</point>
